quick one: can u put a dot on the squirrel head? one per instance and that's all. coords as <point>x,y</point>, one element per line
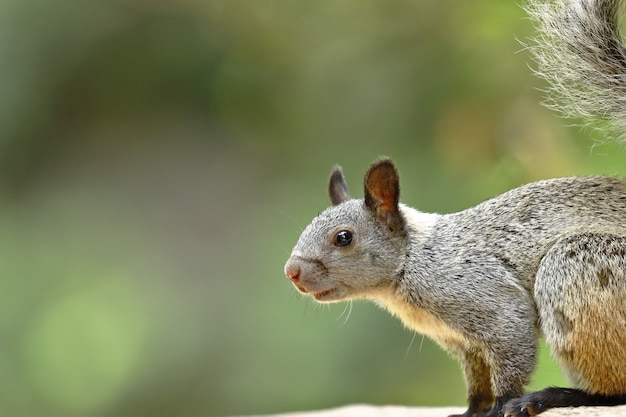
<point>355,248</point>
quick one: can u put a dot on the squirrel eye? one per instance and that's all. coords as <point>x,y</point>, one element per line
<point>343,238</point>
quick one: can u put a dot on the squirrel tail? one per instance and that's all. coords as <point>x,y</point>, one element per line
<point>580,51</point>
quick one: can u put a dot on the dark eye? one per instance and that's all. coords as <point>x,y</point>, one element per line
<point>343,238</point>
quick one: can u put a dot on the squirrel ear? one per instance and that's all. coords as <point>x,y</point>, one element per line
<point>382,193</point>
<point>337,187</point>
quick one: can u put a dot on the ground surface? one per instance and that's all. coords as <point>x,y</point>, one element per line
<point>360,410</point>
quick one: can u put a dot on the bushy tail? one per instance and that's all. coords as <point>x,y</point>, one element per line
<point>580,51</point>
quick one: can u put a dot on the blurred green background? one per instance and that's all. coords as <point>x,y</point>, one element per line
<point>158,160</point>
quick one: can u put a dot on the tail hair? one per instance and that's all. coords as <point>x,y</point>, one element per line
<point>580,51</point>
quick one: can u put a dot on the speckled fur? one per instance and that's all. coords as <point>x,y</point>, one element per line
<point>547,259</point>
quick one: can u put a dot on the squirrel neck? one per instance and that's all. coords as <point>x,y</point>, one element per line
<point>403,299</point>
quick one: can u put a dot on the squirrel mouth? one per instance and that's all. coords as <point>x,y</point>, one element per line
<point>322,294</point>
<point>319,296</point>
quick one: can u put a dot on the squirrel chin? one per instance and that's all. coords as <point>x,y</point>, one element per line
<point>328,296</point>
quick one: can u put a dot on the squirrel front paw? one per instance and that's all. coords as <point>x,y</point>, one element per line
<point>482,411</point>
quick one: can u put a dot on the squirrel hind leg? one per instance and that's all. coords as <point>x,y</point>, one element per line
<point>536,402</point>
<point>580,290</point>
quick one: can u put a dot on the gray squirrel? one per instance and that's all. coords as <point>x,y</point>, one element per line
<point>547,259</point>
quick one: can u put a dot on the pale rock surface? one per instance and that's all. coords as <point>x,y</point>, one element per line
<point>362,410</point>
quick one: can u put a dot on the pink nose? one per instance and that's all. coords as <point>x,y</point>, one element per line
<point>292,270</point>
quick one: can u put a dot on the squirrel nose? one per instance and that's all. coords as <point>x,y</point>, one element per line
<point>292,270</point>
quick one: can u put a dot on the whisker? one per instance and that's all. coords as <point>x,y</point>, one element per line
<point>348,309</point>
<point>304,312</point>
<point>406,354</point>
<point>294,221</point>
<point>421,344</point>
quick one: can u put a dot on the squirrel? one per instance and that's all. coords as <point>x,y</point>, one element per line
<point>545,260</point>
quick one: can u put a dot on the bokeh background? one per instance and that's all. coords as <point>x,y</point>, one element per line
<point>158,160</point>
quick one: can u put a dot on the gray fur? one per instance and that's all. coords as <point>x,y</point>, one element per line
<point>547,259</point>
<point>579,51</point>
<point>579,293</point>
<point>486,282</point>
<point>337,187</point>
